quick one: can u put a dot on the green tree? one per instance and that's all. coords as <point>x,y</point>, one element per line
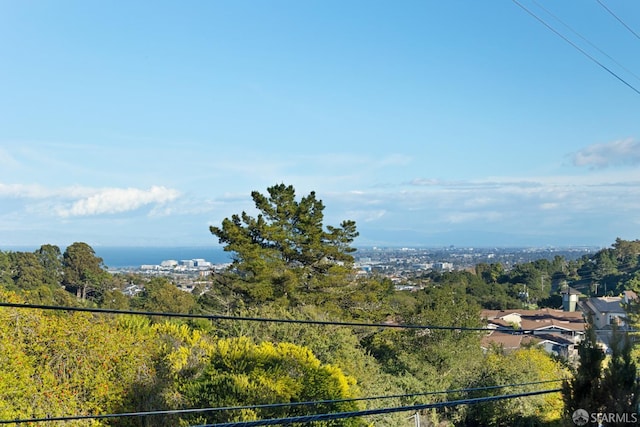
<point>286,248</point>
<point>620,387</point>
<point>83,271</point>
<point>238,371</point>
<point>490,273</point>
<point>55,364</point>
<point>162,296</point>
<point>50,258</point>
<point>5,269</point>
<point>522,366</point>
<point>584,389</point>
<point>26,270</point>
<point>627,252</point>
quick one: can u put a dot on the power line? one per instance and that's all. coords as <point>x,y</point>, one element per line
<point>586,40</point>
<point>576,46</point>
<point>618,18</point>
<point>266,406</point>
<point>269,320</point>
<point>243,318</point>
<point>367,412</point>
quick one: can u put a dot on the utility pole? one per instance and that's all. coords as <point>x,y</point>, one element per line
<point>416,418</point>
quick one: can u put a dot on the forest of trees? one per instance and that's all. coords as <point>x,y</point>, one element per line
<point>289,265</point>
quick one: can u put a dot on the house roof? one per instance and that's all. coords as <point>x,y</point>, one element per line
<point>606,304</point>
<point>502,339</point>
<point>555,339</point>
<point>542,312</point>
<point>544,318</point>
<point>552,323</point>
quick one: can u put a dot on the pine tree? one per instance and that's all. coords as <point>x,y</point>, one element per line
<point>620,387</point>
<point>584,390</point>
<point>286,250</point>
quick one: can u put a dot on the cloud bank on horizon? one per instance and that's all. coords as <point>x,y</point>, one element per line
<point>427,123</point>
<point>614,153</point>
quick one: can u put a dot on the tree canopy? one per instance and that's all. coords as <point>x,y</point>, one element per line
<point>83,270</point>
<point>286,246</point>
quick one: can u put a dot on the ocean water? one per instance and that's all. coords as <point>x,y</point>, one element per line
<point>121,257</point>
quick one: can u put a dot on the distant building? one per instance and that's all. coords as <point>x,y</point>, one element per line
<point>570,299</point>
<point>169,263</point>
<point>132,290</point>
<point>607,311</point>
<point>506,341</point>
<point>443,266</point>
<point>557,331</point>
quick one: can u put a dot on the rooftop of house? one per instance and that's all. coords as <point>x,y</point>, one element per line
<point>540,314</point>
<point>544,318</point>
<point>554,339</point>
<point>501,339</point>
<point>629,295</point>
<point>605,304</point>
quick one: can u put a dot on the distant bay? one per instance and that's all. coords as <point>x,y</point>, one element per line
<point>129,256</point>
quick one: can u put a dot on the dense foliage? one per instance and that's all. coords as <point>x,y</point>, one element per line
<point>288,265</point>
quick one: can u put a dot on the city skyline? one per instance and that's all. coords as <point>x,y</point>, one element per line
<point>428,123</point>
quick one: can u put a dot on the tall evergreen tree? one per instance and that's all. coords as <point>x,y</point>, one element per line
<point>584,390</point>
<point>286,248</point>
<point>50,257</point>
<point>83,270</point>
<point>620,387</point>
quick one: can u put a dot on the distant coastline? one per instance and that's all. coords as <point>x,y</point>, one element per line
<point>135,256</point>
<point>121,257</point>
<point>129,256</point>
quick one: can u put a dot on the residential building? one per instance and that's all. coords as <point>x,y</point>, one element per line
<point>607,311</point>
<point>557,331</point>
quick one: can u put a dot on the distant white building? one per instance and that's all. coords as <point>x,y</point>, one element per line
<point>169,263</point>
<point>443,266</point>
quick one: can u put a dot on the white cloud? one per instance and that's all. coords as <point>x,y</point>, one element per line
<point>615,153</point>
<point>365,215</point>
<point>549,206</point>
<point>23,191</point>
<point>424,182</point>
<point>467,217</point>
<point>7,160</point>
<point>118,200</point>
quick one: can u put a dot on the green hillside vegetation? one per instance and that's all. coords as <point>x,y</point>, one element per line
<point>287,265</point>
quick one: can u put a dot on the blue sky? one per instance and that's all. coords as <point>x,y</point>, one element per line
<point>427,122</point>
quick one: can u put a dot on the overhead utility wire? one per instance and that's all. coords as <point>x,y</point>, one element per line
<point>576,47</point>
<point>243,318</point>
<point>343,415</point>
<point>268,320</point>
<point>586,40</point>
<point>264,406</point>
<point>619,20</point>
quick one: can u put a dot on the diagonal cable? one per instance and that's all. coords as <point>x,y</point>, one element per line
<point>586,40</point>
<point>264,406</point>
<point>353,414</point>
<point>604,67</point>
<point>618,18</point>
